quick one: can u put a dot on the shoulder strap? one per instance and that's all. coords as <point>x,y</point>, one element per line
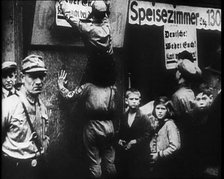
<point>35,136</point>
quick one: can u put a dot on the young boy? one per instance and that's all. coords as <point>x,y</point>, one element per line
<point>203,101</point>
<point>200,131</point>
<point>9,77</point>
<point>134,136</point>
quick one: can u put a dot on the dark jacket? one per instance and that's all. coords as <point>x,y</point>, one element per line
<point>141,130</point>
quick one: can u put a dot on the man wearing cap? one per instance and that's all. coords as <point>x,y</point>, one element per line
<point>96,33</point>
<point>24,123</point>
<point>188,75</point>
<point>9,77</point>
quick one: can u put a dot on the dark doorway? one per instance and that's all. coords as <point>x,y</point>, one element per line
<point>145,62</point>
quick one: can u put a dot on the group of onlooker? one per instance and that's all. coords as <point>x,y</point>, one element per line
<point>168,137</point>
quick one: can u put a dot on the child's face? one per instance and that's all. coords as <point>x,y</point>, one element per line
<point>133,100</point>
<point>160,111</point>
<point>202,101</point>
<point>8,80</point>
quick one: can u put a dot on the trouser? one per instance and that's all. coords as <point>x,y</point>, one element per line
<point>13,168</point>
<point>97,138</point>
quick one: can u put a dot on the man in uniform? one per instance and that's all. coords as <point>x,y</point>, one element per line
<point>96,33</point>
<point>9,76</point>
<point>24,122</point>
<point>98,101</point>
<point>187,75</point>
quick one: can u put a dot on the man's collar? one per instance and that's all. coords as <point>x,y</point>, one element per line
<point>6,92</point>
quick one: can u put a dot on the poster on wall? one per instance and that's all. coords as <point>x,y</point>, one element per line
<point>78,9</point>
<point>160,14</point>
<point>179,23</point>
<point>178,38</point>
<point>48,17</point>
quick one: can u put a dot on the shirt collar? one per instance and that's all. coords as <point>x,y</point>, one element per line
<point>6,92</point>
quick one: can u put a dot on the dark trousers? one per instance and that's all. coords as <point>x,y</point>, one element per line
<point>13,168</point>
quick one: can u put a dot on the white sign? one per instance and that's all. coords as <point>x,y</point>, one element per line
<point>78,9</point>
<point>47,13</point>
<point>147,13</point>
<point>178,38</point>
<point>117,17</point>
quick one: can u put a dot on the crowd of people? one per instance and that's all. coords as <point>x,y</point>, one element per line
<point>176,136</point>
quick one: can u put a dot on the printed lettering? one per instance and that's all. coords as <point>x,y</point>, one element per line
<point>164,15</point>
<point>149,14</point>
<point>189,44</point>
<point>155,14</point>
<point>186,18</point>
<point>179,17</point>
<point>141,15</point>
<point>158,15</point>
<point>170,16</point>
<point>134,3</point>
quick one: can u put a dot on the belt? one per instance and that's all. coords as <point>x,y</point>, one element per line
<point>32,162</point>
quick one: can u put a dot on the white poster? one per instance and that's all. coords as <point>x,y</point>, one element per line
<point>178,38</point>
<point>149,13</point>
<point>77,8</point>
<point>48,13</point>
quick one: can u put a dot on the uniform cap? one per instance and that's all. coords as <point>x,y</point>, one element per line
<point>9,65</point>
<point>33,63</point>
<point>186,66</point>
<point>99,5</point>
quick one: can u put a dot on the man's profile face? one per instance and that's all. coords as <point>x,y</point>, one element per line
<point>203,101</point>
<point>33,82</point>
<point>9,79</point>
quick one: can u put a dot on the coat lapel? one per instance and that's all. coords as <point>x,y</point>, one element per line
<point>137,116</point>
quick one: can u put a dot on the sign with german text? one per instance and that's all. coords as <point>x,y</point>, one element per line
<point>159,14</point>
<point>78,9</point>
<point>47,14</point>
<point>178,38</point>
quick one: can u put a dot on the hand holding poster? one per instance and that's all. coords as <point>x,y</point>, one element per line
<point>48,13</point>
<point>79,9</point>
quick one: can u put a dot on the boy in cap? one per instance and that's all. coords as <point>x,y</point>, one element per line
<point>9,77</point>
<point>96,33</point>
<point>24,122</point>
